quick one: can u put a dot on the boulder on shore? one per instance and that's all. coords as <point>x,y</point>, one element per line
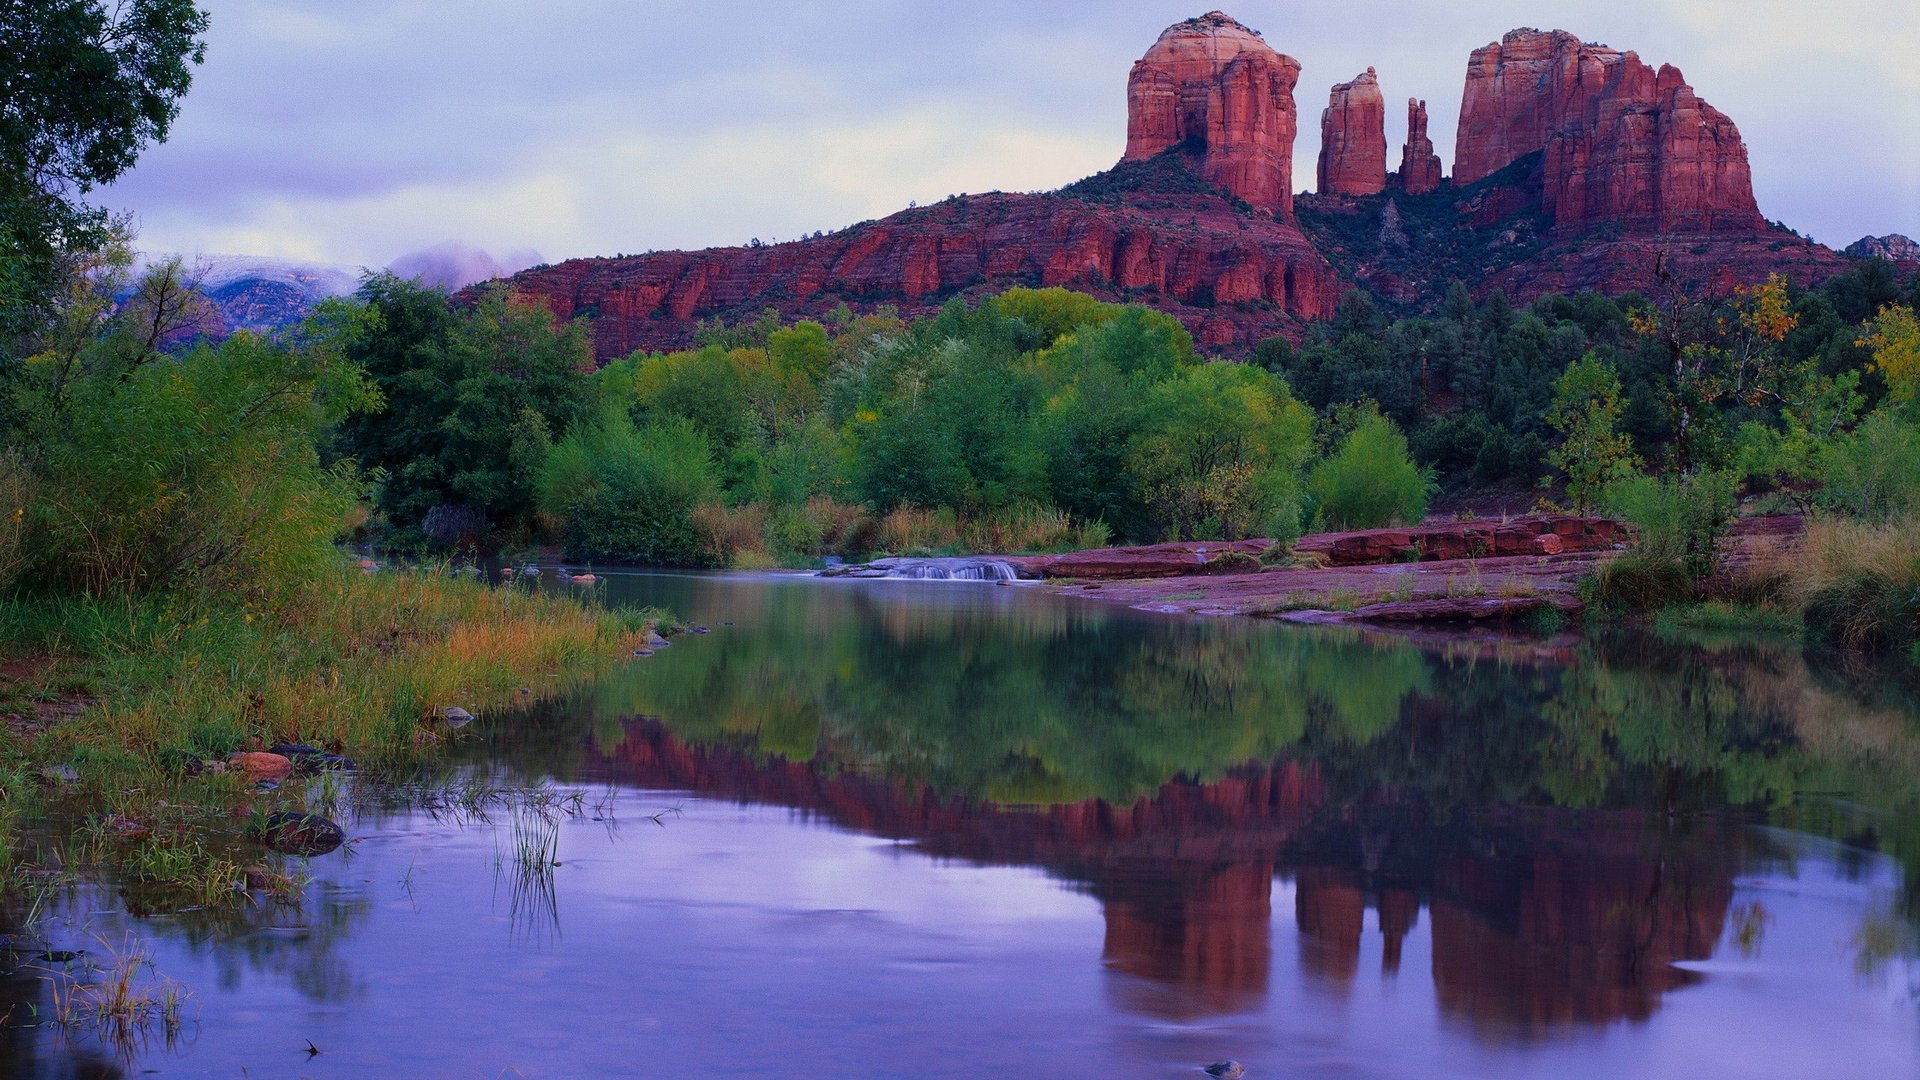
<point>259,765</point>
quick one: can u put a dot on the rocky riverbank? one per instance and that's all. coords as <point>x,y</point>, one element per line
<point>1463,572</point>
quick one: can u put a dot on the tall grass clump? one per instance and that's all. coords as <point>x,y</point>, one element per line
<point>909,530</point>
<point>1029,526</point>
<point>1678,522</point>
<point>1858,582</point>
<point>119,992</point>
<point>352,661</point>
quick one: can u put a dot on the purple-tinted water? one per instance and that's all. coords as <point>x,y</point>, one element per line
<point>883,829</point>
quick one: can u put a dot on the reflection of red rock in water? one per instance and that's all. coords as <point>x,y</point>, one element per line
<point>1332,909</point>
<point>1545,921</point>
<point>1399,912</point>
<point>1208,936</point>
<point>1586,928</point>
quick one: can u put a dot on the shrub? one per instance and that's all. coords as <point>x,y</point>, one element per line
<point>1679,523</point>
<point>845,528</point>
<point>1370,481</point>
<point>1859,582</point>
<point>1586,413</point>
<point>630,494</point>
<point>732,536</point>
<point>196,471</point>
<point>1874,473</point>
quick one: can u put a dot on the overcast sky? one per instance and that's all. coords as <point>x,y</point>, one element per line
<point>352,131</point>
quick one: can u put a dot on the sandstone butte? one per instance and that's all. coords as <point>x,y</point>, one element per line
<point>1624,145</point>
<point>1419,165</point>
<point>1623,164</point>
<point>1353,138</point>
<point>1213,85</point>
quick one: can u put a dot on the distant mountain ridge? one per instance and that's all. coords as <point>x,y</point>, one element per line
<point>260,293</point>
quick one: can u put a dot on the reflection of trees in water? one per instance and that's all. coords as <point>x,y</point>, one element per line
<point>26,1034</point>
<point>1412,774</point>
<point>1033,701</point>
<point>303,942</point>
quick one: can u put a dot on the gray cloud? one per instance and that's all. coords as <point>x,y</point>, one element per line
<point>452,264</point>
<point>351,130</point>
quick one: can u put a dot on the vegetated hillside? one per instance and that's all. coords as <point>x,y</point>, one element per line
<point>1496,233</point>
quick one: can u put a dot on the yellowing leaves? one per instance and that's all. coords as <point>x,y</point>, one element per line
<point>1894,339</point>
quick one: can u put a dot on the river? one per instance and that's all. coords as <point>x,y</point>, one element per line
<point>956,829</point>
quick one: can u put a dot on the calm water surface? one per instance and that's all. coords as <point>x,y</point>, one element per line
<point>893,829</point>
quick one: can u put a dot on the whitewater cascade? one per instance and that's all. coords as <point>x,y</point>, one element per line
<point>955,569</point>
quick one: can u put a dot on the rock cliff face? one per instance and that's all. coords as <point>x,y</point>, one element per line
<point>1229,275</point>
<point>1213,87</point>
<point>1625,145</point>
<point>1353,138</point>
<point>1419,165</point>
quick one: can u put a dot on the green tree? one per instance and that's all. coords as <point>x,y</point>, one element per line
<point>1592,453</point>
<point>630,494</point>
<point>1220,454</point>
<point>196,471</point>
<point>1894,339</point>
<point>1370,480</point>
<point>86,86</point>
<point>472,394</point>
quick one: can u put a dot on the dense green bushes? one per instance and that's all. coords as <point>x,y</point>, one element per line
<point>630,494</point>
<point>1033,420</point>
<point>1369,481</point>
<point>132,469</point>
<point>1679,523</point>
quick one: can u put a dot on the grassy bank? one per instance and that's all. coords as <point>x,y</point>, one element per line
<point>113,705</point>
<point>1847,583</point>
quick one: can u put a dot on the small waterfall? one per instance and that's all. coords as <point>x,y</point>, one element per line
<point>953,570</point>
<point>959,569</point>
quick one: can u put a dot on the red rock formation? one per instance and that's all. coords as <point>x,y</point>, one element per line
<point>1542,535</point>
<point>1212,85</point>
<point>1192,256</point>
<point>1624,145</point>
<point>1353,139</point>
<point>1419,165</point>
<point>1613,143</point>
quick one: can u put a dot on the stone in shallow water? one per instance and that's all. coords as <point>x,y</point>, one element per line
<point>307,835</point>
<point>312,758</point>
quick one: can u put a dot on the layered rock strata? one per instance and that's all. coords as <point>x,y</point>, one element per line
<point>1353,138</point>
<point>1624,145</point>
<point>1213,87</point>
